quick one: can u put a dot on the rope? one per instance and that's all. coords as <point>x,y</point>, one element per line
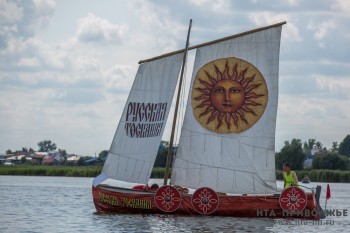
<point>182,110</point>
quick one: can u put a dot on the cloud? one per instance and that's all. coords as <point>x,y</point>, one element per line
<point>78,96</point>
<point>67,82</point>
<point>10,13</point>
<point>21,19</point>
<point>290,2</point>
<point>321,30</point>
<point>324,79</point>
<point>88,64</point>
<point>311,117</point>
<point>294,2</point>
<point>97,30</point>
<point>290,30</point>
<point>32,54</point>
<point>342,6</point>
<point>26,54</point>
<point>19,49</point>
<point>28,62</point>
<point>157,27</point>
<point>219,6</point>
<point>335,85</point>
<point>119,77</point>
<point>24,18</point>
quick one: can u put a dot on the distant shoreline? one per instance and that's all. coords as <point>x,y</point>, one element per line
<point>70,171</point>
<point>334,176</point>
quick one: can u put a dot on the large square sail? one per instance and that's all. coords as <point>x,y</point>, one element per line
<point>227,140</point>
<point>138,135</point>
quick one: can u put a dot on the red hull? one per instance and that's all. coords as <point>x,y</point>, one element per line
<point>120,200</point>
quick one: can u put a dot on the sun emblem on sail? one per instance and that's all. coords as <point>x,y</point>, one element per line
<point>229,95</point>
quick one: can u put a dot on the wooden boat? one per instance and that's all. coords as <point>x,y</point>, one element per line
<point>225,154</point>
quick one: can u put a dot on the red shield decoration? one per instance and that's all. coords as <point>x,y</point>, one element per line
<point>167,198</point>
<point>293,200</point>
<point>205,200</point>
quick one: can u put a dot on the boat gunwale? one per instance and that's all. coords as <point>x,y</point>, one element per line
<point>124,189</point>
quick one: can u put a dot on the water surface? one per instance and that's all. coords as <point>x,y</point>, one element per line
<point>64,204</point>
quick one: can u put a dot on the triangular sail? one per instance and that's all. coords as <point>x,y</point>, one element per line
<point>228,136</point>
<point>137,138</point>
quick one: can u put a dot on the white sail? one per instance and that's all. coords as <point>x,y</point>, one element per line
<point>228,137</point>
<point>137,138</point>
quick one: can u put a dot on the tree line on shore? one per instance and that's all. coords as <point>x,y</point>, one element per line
<point>157,172</point>
<point>49,146</point>
<point>295,152</point>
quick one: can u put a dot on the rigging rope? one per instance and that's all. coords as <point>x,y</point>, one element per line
<point>182,110</point>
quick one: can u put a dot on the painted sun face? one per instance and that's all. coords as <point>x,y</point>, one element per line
<point>229,95</point>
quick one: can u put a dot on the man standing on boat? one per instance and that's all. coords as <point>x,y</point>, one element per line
<point>290,178</point>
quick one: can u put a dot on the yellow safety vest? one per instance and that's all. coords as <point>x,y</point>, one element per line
<point>289,179</point>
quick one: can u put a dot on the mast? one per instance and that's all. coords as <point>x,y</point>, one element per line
<point>170,149</point>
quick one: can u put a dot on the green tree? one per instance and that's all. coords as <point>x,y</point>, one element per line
<point>23,159</point>
<point>344,146</point>
<point>162,154</point>
<point>46,145</point>
<point>82,160</point>
<point>8,152</point>
<point>63,152</point>
<point>335,147</point>
<point>331,160</point>
<point>164,143</point>
<point>311,143</point>
<point>103,154</point>
<point>291,152</point>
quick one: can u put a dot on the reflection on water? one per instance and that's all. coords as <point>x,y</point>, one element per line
<point>170,223</point>
<point>64,204</point>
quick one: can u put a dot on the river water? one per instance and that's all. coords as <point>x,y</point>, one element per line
<point>64,204</point>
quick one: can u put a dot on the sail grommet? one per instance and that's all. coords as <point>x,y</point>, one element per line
<point>167,198</point>
<point>205,200</point>
<point>293,200</point>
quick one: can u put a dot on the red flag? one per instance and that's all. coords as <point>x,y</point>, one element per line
<point>328,195</point>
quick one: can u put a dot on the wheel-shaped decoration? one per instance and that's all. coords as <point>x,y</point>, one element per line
<point>205,200</point>
<point>293,200</point>
<point>167,198</point>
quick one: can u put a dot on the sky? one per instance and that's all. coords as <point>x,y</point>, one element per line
<point>66,67</point>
